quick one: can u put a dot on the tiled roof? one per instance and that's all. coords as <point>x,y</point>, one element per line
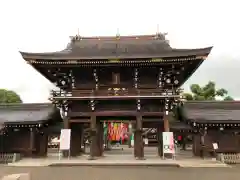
<point>144,46</point>
<point>27,113</point>
<point>212,111</point>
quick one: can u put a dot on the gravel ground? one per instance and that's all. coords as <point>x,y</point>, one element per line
<point>124,173</point>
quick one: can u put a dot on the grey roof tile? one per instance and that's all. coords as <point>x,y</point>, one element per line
<point>26,113</point>
<point>144,46</point>
<point>180,126</point>
<point>212,111</point>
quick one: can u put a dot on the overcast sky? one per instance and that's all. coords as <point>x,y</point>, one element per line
<point>45,25</point>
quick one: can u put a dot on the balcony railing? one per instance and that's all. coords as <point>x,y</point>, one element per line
<point>115,93</point>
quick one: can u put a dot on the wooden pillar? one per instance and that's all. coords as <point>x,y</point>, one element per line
<point>202,142</point>
<point>32,141</point>
<point>83,145</point>
<point>166,121</point>
<point>196,143</point>
<point>130,134</point>
<point>100,138</point>
<point>94,150</point>
<point>138,141</point>
<point>166,125</point>
<point>41,144</point>
<point>45,144</point>
<point>159,141</point>
<point>81,137</point>
<point>184,142</point>
<point>75,144</point>
<point>66,125</point>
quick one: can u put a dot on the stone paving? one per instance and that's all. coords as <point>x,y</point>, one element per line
<point>110,161</point>
<point>119,157</point>
<point>124,173</point>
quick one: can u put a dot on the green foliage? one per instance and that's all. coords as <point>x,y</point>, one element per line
<point>8,96</point>
<point>228,98</point>
<point>188,96</point>
<point>207,92</point>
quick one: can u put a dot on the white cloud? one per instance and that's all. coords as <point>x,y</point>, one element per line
<point>43,25</point>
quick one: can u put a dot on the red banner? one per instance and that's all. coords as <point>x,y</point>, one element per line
<point>117,131</point>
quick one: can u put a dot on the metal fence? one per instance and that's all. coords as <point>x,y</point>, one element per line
<point>9,157</point>
<point>229,158</point>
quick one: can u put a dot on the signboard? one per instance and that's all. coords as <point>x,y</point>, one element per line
<point>168,143</point>
<point>65,139</point>
<point>146,141</point>
<point>132,140</point>
<point>215,146</point>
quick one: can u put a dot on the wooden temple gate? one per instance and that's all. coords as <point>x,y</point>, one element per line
<point>96,134</point>
<point>123,76</point>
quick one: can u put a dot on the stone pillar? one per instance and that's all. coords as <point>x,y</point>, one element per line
<point>138,141</point>
<point>159,141</point>
<point>94,148</point>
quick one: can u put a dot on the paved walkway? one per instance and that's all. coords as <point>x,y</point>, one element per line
<point>117,160</point>
<point>122,156</point>
<point>123,173</point>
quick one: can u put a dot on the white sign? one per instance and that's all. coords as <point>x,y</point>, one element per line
<point>65,139</point>
<point>168,143</point>
<point>132,142</point>
<point>215,146</point>
<point>146,141</point>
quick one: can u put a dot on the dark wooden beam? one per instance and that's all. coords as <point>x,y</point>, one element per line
<point>114,113</point>
<point>80,120</point>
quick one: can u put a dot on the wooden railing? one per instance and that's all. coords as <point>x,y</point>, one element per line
<point>115,93</point>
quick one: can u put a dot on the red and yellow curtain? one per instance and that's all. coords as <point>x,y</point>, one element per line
<point>117,131</point>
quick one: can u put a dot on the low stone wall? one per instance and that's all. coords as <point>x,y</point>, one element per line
<point>229,158</point>
<point>9,157</point>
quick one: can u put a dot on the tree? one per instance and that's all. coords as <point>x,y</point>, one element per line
<point>207,92</point>
<point>8,96</point>
<point>188,96</point>
<point>228,98</point>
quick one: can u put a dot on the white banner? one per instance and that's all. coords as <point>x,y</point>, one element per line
<point>65,139</point>
<point>168,143</point>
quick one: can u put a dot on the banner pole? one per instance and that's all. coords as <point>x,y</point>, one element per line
<point>59,154</point>
<point>68,153</point>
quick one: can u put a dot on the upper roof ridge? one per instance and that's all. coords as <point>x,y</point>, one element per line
<point>157,36</point>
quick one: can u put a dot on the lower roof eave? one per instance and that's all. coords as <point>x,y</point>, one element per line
<point>19,123</point>
<point>209,121</point>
